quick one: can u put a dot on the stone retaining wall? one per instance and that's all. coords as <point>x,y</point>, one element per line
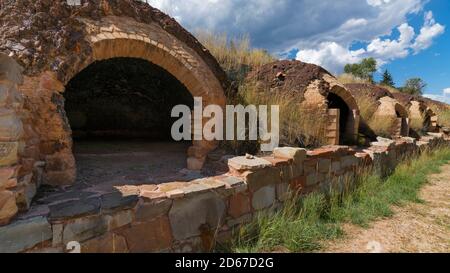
<point>190,217</point>
<point>12,141</point>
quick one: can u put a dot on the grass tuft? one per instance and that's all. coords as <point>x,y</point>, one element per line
<point>303,223</point>
<point>235,55</point>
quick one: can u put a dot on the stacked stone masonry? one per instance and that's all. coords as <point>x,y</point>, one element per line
<point>35,135</point>
<point>36,139</point>
<point>191,217</point>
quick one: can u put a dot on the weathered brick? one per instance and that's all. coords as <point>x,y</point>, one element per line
<point>243,163</point>
<point>277,162</point>
<point>298,183</point>
<point>263,177</point>
<point>283,191</point>
<point>335,166</point>
<point>263,198</point>
<point>157,234</point>
<point>311,179</point>
<point>188,214</point>
<point>108,243</point>
<point>84,228</point>
<point>154,209</point>
<point>349,161</point>
<point>25,234</point>
<point>295,154</point>
<point>239,205</point>
<point>310,166</point>
<point>324,165</point>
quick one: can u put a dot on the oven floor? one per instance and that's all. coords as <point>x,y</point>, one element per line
<point>129,163</point>
<point>104,167</point>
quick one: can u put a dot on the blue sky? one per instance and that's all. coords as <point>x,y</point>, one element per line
<point>432,64</point>
<point>408,37</point>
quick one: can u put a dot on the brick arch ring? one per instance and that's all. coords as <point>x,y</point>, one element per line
<point>114,37</point>
<point>348,98</point>
<point>189,70</point>
<point>401,110</point>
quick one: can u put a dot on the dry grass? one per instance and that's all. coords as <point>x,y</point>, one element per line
<point>390,89</point>
<point>418,227</point>
<point>444,117</point>
<point>416,124</point>
<point>235,55</point>
<point>443,114</point>
<point>349,78</point>
<point>304,224</point>
<point>383,126</point>
<point>367,107</point>
<point>300,125</point>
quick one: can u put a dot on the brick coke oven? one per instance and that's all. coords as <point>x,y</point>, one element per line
<point>45,47</point>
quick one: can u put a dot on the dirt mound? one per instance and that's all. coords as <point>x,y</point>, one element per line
<point>369,90</point>
<point>436,104</point>
<point>289,77</point>
<point>405,99</point>
<point>34,31</point>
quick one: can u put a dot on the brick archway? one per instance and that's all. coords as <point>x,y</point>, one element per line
<point>430,120</point>
<point>346,96</point>
<point>401,110</point>
<point>402,120</point>
<point>351,121</point>
<point>108,38</point>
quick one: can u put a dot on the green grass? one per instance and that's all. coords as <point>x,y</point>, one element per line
<point>303,223</point>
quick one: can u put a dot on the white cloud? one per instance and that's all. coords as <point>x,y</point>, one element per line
<point>428,32</point>
<point>354,23</point>
<point>391,49</point>
<point>444,97</point>
<point>323,31</point>
<point>383,50</point>
<point>441,98</point>
<point>281,25</point>
<point>376,3</point>
<point>321,55</point>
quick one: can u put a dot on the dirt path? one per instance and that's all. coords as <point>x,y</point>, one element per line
<point>415,227</point>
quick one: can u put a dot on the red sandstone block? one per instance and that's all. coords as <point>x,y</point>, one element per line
<point>298,183</point>
<point>310,166</point>
<point>276,162</point>
<point>364,158</point>
<point>239,205</point>
<point>320,153</point>
<point>261,178</point>
<point>157,234</point>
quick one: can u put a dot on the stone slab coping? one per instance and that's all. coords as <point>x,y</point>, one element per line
<point>80,203</point>
<point>48,212</point>
<point>248,163</point>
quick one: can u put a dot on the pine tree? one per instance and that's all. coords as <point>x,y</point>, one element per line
<point>387,79</point>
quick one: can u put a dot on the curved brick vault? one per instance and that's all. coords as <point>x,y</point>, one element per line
<point>310,85</point>
<point>53,42</point>
<point>420,114</point>
<point>386,105</point>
